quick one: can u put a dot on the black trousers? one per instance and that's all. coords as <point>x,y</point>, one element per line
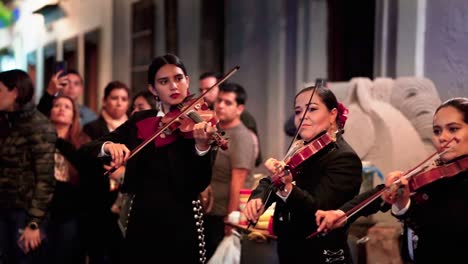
<point>214,233</point>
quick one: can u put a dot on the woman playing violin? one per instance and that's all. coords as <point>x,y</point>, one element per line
<point>166,175</point>
<point>437,211</point>
<point>326,179</point>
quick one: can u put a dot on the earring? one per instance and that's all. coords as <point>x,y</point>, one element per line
<point>158,103</point>
<point>332,131</point>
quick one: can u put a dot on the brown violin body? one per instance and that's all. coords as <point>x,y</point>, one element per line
<point>440,172</point>
<point>199,112</point>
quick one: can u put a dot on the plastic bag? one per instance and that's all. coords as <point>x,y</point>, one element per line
<point>228,251</point>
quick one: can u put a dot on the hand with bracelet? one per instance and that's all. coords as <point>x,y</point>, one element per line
<point>30,239</point>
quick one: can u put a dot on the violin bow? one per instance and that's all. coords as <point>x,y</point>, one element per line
<point>168,124</point>
<point>408,174</point>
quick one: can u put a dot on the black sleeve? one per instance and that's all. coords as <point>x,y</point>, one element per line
<point>94,129</point>
<point>68,151</point>
<point>45,104</point>
<point>264,191</point>
<point>341,181</point>
<point>91,149</point>
<point>201,168</point>
<point>373,207</point>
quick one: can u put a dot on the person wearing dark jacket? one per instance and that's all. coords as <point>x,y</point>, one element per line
<point>324,180</point>
<point>64,235</point>
<point>100,192</point>
<point>437,211</point>
<point>27,140</point>
<point>165,176</point>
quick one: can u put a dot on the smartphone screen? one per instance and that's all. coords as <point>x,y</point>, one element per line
<point>61,66</point>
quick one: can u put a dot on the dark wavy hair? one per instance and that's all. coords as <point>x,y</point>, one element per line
<point>21,81</point>
<point>216,75</point>
<point>459,103</point>
<point>147,95</point>
<point>115,85</point>
<point>330,101</point>
<point>241,94</point>
<point>160,61</point>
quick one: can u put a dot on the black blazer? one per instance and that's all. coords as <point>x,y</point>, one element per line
<point>374,207</point>
<point>165,181</point>
<point>96,128</point>
<point>438,214</point>
<point>324,181</point>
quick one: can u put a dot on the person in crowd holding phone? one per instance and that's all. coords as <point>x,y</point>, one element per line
<point>324,180</point>
<point>438,211</point>
<point>67,82</point>
<point>27,140</point>
<point>166,176</point>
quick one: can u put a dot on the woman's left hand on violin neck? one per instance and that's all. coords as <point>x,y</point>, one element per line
<point>202,133</point>
<point>279,174</point>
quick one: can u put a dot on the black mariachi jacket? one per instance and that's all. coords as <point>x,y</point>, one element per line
<point>325,181</point>
<point>438,214</point>
<point>165,181</point>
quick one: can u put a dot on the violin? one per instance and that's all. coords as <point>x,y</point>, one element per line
<point>298,152</point>
<point>184,111</point>
<point>437,173</point>
<point>200,112</point>
<point>417,177</point>
<point>293,159</point>
<point>308,150</point>
<point>302,152</point>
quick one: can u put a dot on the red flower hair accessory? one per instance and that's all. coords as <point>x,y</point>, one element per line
<point>342,115</point>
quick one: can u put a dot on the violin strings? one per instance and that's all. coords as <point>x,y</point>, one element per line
<point>195,117</point>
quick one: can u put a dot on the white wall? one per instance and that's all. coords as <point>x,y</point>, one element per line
<point>446,40</point>
<point>410,38</point>
<point>30,33</point>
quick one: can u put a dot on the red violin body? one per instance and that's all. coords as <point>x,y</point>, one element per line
<point>184,109</point>
<point>302,154</point>
<point>181,125</point>
<point>308,151</point>
<point>443,171</point>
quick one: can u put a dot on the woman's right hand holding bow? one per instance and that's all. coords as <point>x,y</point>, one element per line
<point>399,193</point>
<point>254,209</point>
<point>118,152</point>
